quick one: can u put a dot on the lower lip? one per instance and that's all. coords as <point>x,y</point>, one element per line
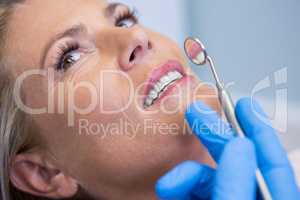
<point>171,88</point>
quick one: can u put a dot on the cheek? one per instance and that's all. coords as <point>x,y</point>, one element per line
<point>99,87</point>
<point>164,45</point>
<point>116,91</point>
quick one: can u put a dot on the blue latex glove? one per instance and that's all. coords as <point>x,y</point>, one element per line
<point>237,159</point>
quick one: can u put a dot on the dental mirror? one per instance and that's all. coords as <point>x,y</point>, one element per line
<point>195,50</point>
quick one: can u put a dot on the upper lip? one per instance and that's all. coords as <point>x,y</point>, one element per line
<point>157,73</point>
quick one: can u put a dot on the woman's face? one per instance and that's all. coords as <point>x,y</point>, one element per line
<point>94,103</point>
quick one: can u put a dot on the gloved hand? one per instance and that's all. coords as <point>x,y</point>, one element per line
<point>237,159</point>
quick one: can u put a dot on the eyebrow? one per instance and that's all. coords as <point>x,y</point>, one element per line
<point>76,30</point>
<point>111,8</point>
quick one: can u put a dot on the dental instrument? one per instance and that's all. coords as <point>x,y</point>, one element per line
<point>197,53</point>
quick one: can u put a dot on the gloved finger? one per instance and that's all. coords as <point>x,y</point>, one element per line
<point>235,177</point>
<point>207,125</point>
<point>185,180</point>
<point>271,157</point>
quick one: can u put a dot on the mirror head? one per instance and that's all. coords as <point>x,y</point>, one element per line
<point>195,51</point>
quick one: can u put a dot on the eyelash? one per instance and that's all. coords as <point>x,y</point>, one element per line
<point>62,51</point>
<point>67,47</point>
<point>128,14</point>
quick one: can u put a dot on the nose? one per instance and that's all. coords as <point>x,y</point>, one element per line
<point>136,46</point>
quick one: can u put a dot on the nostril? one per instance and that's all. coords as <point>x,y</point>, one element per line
<point>150,45</point>
<point>132,57</point>
<point>134,53</point>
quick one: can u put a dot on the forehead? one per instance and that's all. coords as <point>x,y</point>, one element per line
<point>35,21</point>
<point>48,5</point>
<point>51,14</point>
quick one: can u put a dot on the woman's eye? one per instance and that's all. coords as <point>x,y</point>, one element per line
<point>127,19</point>
<point>68,60</point>
<point>126,23</point>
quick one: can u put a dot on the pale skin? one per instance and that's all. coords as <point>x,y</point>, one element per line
<point>112,167</point>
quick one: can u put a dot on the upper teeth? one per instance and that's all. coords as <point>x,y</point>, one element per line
<point>160,86</point>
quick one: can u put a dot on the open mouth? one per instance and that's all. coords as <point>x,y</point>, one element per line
<point>161,79</point>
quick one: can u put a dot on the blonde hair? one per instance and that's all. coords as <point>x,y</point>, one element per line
<point>14,124</point>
